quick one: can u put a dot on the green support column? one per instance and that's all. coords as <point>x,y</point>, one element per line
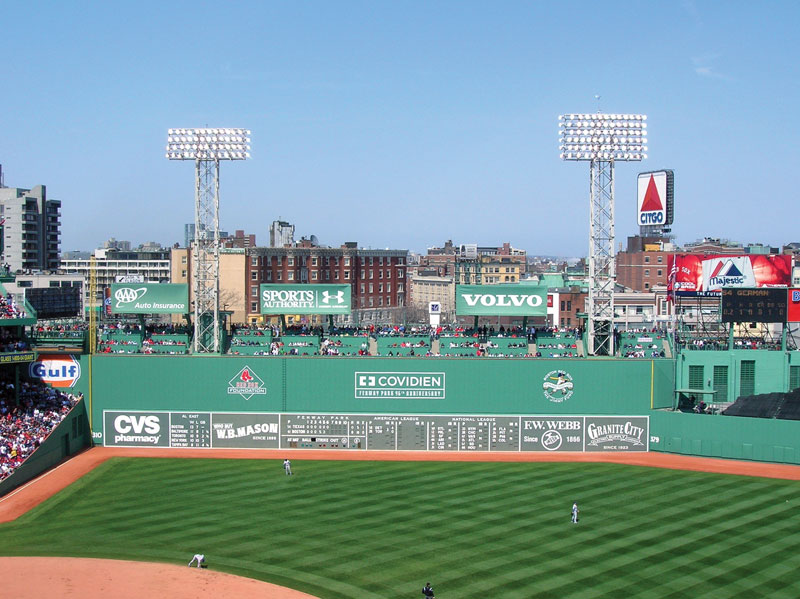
<point>784,335</point>
<point>730,336</point>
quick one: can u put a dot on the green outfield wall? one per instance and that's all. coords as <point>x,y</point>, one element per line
<point>760,439</point>
<point>374,385</point>
<point>68,438</point>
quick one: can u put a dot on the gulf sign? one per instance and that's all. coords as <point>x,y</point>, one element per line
<point>655,198</point>
<point>56,370</point>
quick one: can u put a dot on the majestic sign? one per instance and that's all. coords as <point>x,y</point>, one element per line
<point>753,305</point>
<point>57,370</point>
<point>305,299</point>
<point>149,298</point>
<point>501,300</point>
<point>655,198</point>
<point>704,275</point>
<point>400,385</point>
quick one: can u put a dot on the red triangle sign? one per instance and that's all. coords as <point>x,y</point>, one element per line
<point>651,200</point>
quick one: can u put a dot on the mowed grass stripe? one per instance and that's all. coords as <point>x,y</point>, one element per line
<point>366,529</point>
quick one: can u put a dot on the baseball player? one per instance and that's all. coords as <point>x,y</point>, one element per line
<point>199,558</point>
<point>427,590</point>
<point>287,465</point>
<point>575,513</point>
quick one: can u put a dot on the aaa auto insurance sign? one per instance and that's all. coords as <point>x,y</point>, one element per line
<point>305,299</point>
<point>655,191</point>
<point>501,300</point>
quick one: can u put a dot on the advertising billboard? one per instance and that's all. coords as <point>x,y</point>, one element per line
<point>149,298</point>
<point>277,298</point>
<point>793,305</point>
<point>501,300</point>
<point>656,203</point>
<point>754,305</point>
<point>706,275</point>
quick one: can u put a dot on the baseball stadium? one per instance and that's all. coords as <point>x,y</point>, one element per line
<point>408,465</point>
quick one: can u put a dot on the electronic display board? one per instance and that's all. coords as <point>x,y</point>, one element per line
<point>763,304</point>
<point>387,432</point>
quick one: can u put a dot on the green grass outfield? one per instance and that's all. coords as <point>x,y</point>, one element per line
<point>361,530</point>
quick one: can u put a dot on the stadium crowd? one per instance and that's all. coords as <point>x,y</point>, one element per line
<point>25,426</point>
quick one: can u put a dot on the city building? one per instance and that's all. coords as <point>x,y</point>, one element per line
<point>281,234</point>
<point>31,226</point>
<point>147,266</point>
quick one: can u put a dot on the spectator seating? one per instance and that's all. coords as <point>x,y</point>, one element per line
<point>507,347</point>
<point>411,345</point>
<point>166,343</point>
<point>116,341</point>
<point>25,426</point>
<point>298,345</point>
<point>245,342</point>
<point>556,345</point>
<point>345,345</point>
<point>641,345</point>
<point>459,345</point>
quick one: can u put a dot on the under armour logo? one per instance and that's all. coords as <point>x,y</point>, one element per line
<point>126,295</point>
<point>338,296</point>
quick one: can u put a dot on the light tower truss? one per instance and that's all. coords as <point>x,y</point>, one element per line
<point>206,147</point>
<point>602,139</point>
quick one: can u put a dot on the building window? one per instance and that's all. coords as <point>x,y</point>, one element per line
<point>647,259</point>
<point>314,261</point>
<point>254,275</point>
<point>371,288</point>
<point>254,291</point>
<point>388,287</point>
<point>399,287</point>
<point>346,275</point>
<point>183,259</point>
<point>660,272</point>
<point>253,306</point>
<point>371,302</point>
<point>380,274</point>
<point>363,274</point>
<point>660,259</point>
<point>400,274</point>
<point>569,306</point>
<point>327,275</point>
<point>647,272</point>
<point>336,275</point>
<point>562,305</point>
<point>380,301</point>
<point>362,289</point>
<point>370,274</point>
<point>269,275</point>
<point>313,275</point>
<point>280,276</point>
<point>380,260</point>
<point>647,285</point>
<point>290,276</point>
<point>346,261</point>
<point>183,273</point>
<point>388,300</point>
<point>380,287</point>
<point>372,260</point>
<point>254,260</point>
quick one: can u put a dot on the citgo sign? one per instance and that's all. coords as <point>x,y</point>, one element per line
<point>56,370</point>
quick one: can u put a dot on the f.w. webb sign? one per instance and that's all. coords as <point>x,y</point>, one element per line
<point>501,300</point>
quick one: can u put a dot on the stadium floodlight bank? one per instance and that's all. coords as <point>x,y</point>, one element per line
<point>207,147</point>
<point>208,144</point>
<point>602,139</point>
<point>600,136</point>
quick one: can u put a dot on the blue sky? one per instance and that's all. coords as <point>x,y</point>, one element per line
<point>401,124</point>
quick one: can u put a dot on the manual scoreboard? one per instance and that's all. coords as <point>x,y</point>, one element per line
<point>387,432</point>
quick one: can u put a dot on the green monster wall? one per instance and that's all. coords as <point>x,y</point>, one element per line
<point>373,385</point>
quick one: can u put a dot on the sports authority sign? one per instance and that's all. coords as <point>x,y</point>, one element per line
<point>400,385</point>
<point>305,299</point>
<point>149,298</point>
<point>501,300</point>
<point>703,275</point>
<point>655,198</point>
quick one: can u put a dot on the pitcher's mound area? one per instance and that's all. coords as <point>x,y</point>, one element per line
<point>104,578</point>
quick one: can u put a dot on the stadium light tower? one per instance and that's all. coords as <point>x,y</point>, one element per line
<point>602,139</point>
<point>207,147</point>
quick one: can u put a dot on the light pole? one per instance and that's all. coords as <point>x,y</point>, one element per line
<point>602,139</point>
<point>207,147</point>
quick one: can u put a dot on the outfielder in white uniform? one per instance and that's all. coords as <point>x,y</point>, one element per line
<point>287,465</point>
<point>199,558</point>
<point>575,513</point>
